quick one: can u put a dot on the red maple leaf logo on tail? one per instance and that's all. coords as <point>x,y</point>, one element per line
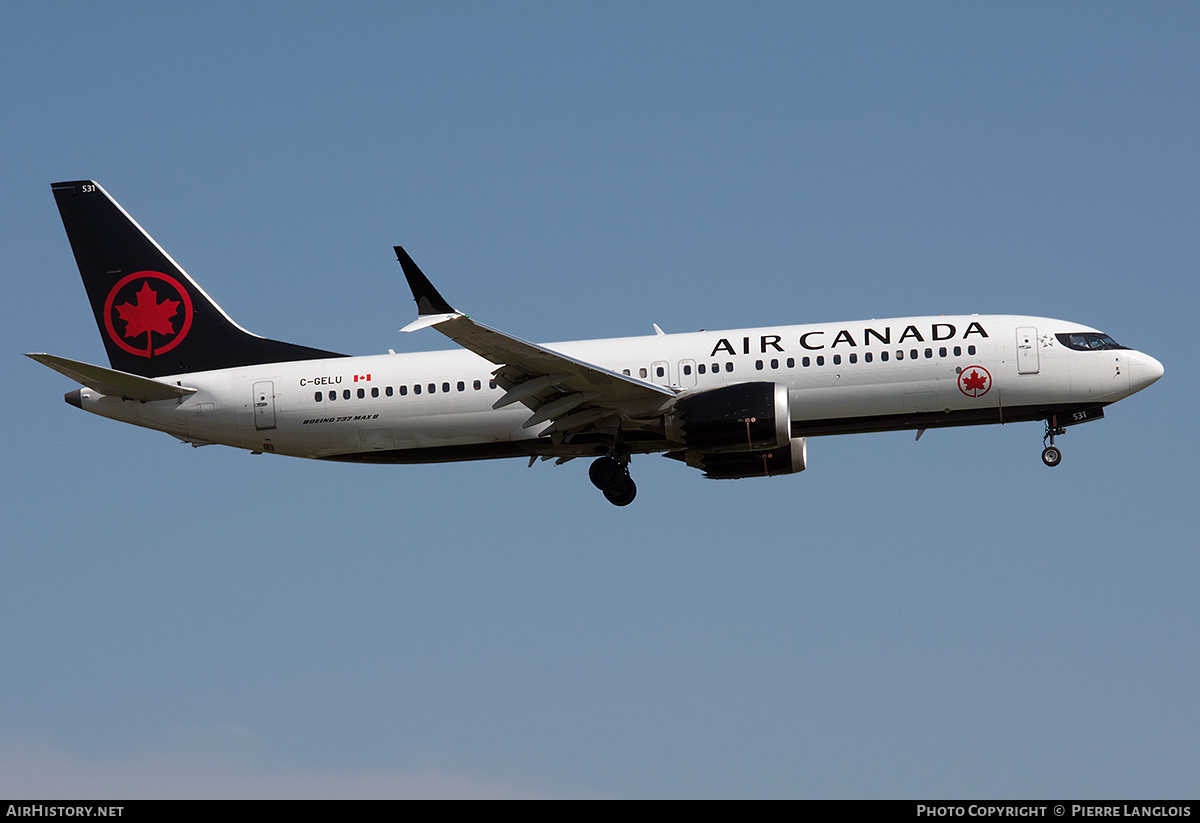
<point>147,318</point>
<point>147,314</point>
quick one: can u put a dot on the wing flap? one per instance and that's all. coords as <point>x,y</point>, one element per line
<point>520,389</point>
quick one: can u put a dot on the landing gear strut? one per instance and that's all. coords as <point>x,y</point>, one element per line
<point>1051,455</point>
<point>611,475</point>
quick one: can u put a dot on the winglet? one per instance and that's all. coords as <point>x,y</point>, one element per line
<point>427,297</point>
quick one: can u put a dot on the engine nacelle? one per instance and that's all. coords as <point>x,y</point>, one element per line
<point>742,417</point>
<point>787,459</point>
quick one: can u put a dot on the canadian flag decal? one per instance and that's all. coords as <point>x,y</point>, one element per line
<point>365,378</point>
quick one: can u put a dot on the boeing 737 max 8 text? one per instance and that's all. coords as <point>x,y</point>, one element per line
<point>733,404</point>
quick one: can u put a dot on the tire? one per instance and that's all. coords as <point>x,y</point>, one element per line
<point>1051,456</point>
<point>606,473</point>
<point>623,494</point>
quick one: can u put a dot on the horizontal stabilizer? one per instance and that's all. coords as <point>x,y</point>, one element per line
<point>111,382</point>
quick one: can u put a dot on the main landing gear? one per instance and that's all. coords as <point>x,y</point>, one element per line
<point>1051,455</point>
<point>611,475</point>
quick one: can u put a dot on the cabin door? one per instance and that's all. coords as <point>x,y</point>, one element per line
<point>264,405</point>
<point>1027,350</point>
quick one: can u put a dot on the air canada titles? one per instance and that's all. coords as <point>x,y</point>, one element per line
<point>819,339</point>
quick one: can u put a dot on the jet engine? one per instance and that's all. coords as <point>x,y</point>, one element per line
<point>787,459</point>
<point>739,418</point>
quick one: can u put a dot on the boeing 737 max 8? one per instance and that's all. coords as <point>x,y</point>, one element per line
<point>733,404</point>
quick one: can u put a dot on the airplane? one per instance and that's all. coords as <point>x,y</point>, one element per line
<point>733,404</point>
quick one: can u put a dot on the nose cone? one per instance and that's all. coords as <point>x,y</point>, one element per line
<point>1143,370</point>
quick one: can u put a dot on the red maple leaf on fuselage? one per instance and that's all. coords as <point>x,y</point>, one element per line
<point>974,381</point>
<point>147,314</point>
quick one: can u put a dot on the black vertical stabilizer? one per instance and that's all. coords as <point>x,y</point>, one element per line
<point>153,318</point>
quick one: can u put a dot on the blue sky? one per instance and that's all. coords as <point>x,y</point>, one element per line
<point>940,618</point>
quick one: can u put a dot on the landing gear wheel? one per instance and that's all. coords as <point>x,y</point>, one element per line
<point>623,493</point>
<point>1051,456</point>
<point>607,473</point>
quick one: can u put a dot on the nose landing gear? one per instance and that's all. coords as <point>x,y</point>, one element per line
<point>611,475</point>
<point>1051,455</point>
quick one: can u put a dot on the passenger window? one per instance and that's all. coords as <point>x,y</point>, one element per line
<point>716,367</point>
<point>928,353</point>
<point>774,364</point>
<point>758,365</point>
<point>853,357</point>
<point>625,372</point>
<point>388,391</point>
<point>971,350</point>
<point>462,386</point>
<point>729,366</point>
<point>806,362</point>
<point>333,395</point>
<point>362,393</point>
<point>416,388</point>
<point>374,392</point>
<point>642,372</point>
<point>701,368</point>
<point>820,360</point>
<point>942,351</point>
<point>659,371</point>
<point>791,362</point>
<point>318,397</point>
<point>837,360</point>
<point>477,385</point>
<point>446,387</point>
<point>883,356</point>
<point>687,369</point>
<point>899,355</point>
<point>491,384</point>
<point>346,394</point>
<point>912,353</point>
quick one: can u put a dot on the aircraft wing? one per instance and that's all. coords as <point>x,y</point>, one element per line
<point>555,387</point>
<point>111,382</point>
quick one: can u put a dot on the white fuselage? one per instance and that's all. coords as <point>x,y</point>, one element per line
<point>872,375</point>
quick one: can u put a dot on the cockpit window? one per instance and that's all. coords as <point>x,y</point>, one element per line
<point>1088,341</point>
